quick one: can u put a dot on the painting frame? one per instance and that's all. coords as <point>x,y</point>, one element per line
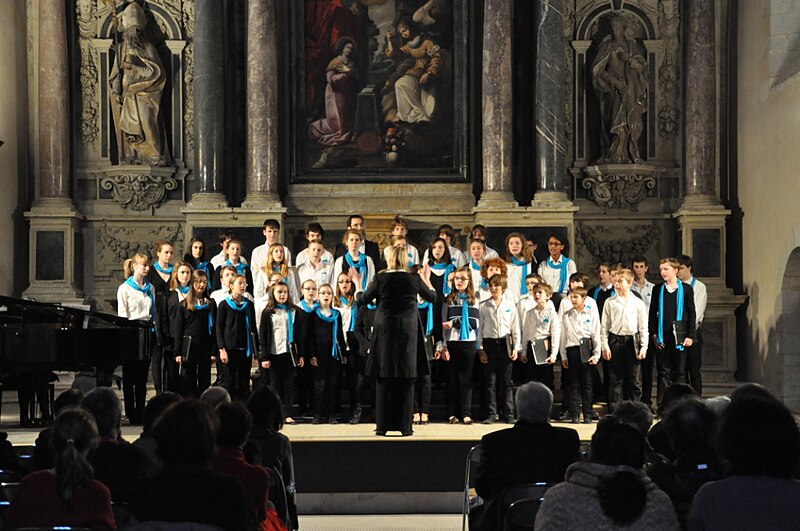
<point>459,159</point>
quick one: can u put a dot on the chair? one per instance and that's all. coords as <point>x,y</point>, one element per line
<point>519,504</point>
<point>7,491</point>
<point>277,496</point>
<point>471,499</point>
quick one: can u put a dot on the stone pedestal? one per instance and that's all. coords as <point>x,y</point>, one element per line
<point>139,187</point>
<point>55,266</point>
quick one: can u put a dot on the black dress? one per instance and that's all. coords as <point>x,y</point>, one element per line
<point>397,351</point>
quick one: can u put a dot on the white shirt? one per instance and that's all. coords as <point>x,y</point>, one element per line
<point>540,324</point>
<point>576,325</point>
<point>259,256</point>
<point>262,281</point>
<point>134,304</point>
<point>645,291</point>
<point>590,303</point>
<point>516,276</point>
<point>527,304</point>
<point>347,317</point>
<point>700,299</point>
<point>302,258</point>
<point>320,275</point>
<point>489,253</point>
<point>339,266</point>
<point>552,276</point>
<point>412,254</point>
<point>499,321</point>
<point>221,294</point>
<point>625,317</point>
<point>280,331</point>
<point>454,334</point>
<point>219,260</point>
<point>477,279</point>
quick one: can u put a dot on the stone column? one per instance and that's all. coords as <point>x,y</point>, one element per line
<point>262,106</point>
<point>549,110</point>
<point>55,225</point>
<point>209,104</point>
<point>497,105</point>
<point>701,105</point>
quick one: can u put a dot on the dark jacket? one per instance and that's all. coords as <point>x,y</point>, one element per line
<point>232,326</point>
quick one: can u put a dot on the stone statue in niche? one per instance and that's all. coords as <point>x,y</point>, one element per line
<point>619,76</point>
<point>137,83</point>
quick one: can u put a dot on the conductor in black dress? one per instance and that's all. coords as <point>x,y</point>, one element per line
<point>397,352</point>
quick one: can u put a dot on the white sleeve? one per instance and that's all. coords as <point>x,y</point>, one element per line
<point>122,303</point>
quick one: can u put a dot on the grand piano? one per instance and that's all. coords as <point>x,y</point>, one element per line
<point>57,337</point>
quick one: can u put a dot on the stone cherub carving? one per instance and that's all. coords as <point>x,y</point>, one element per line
<point>619,75</point>
<point>137,82</point>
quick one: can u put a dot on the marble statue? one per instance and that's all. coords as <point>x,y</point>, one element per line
<point>137,82</point>
<point>619,75</point>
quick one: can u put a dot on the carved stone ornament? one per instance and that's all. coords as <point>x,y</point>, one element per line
<point>619,185</point>
<point>116,243</point>
<point>618,244</point>
<point>139,187</point>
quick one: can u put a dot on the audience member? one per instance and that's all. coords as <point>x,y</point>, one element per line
<point>718,404</point>
<point>66,495</point>
<point>531,451</point>
<point>187,490</point>
<point>152,411</point>
<point>214,396</point>
<point>636,413</point>
<point>657,436</point>
<point>760,441</point>
<point>235,424</point>
<point>611,491</point>
<point>42,455</point>
<point>752,390</point>
<point>274,448</point>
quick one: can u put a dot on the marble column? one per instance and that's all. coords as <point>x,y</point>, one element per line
<point>701,105</point>
<point>497,105</point>
<point>54,154</point>
<point>209,104</point>
<point>262,105</point>
<point>549,110</point>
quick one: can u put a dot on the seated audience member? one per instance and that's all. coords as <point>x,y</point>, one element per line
<point>214,396</point>
<point>752,390</point>
<point>636,413</point>
<point>119,465</point>
<point>610,491</point>
<point>42,455</point>
<point>530,451</point>
<point>66,495</point>
<point>718,404</point>
<point>187,490</point>
<point>759,439</point>
<point>690,426</point>
<point>235,424</point>
<point>657,436</point>
<point>274,448</point>
<point>152,411</point>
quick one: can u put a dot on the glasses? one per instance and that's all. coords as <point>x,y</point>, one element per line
<point>462,279</point>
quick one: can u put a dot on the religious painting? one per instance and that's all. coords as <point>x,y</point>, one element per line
<point>379,90</point>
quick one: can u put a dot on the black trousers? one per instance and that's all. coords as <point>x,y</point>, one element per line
<point>358,382</point>
<point>394,399</point>
<point>422,392</point>
<point>497,377</point>
<point>624,381</point>
<point>134,388</point>
<point>459,378</point>
<point>158,367</point>
<point>195,372</point>
<point>237,379</point>
<point>647,374</point>
<point>281,379</point>
<point>694,362</point>
<point>580,375</point>
<point>670,365</point>
<point>326,385</point>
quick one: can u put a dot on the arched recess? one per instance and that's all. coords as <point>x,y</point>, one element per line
<point>788,331</point>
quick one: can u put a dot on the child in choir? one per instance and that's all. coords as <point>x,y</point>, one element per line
<point>448,234</point>
<point>520,372</point>
<point>555,271</point>
<point>400,230</point>
<point>354,259</point>
<point>694,354</point>
<point>422,386</point>
<point>644,288</point>
<point>399,241</point>
<point>605,287</point>
<point>236,337</point>
<point>314,233</point>
<point>360,355</point>
<point>179,285</point>
<point>489,268</point>
<point>624,336</point>
<point>498,346</point>
<point>196,257</point>
<point>194,335</point>
<point>226,274</point>
<point>460,328</point>
<point>579,325</point>
<point>136,300</point>
<point>477,254</point>
<point>541,325</point>
<point>275,262</point>
<point>521,263</point>
<point>345,303</point>
<point>278,346</point>
<point>315,265</point>
<point>480,232</point>
<point>272,232</point>
<point>159,277</point>
<point>225,237</point>
<point>672,313</point>
<point>235,260</point>
<point>327,355</point>
<point>305,376</point>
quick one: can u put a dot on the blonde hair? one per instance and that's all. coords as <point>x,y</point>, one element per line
<point>627,274</point>
<point>671,261</point>
<point>173,278</point>
<point>269,263</point>
<point>127,266</point>
<point>470,291</point>
<point>397,259</point>
<point>348,232</point>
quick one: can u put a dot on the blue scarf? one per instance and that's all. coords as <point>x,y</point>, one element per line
<point>305,308</point>
<point>371,306</point>
<point>161,270</point>
<point>290,321</point>
<point>210,316</point>
<point>465,327</point>
<point>693,282</point>
<point>353,312</point>
<point>243,308</point>
<point>334,318</point>
<point>361,266</point>
<point>678,311</point>
<point>411,259</point>
<point>523,288</point>
<point>597,290</point>
<point>240,267</point>
<point>428,306</point>
<point>147,291</point>
<point>184,289</point>
<point>477,268</point>
<point>562,269</point>
<point>448,268</point>
<point>205,266</point>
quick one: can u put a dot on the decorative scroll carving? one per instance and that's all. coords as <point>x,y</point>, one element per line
<point>668,21</point>
<point>619,185</point>
<point>139,187</point>
<point>604,248</point>
<point>117,243</point>
<point>86,11</point>
<point>188,74</point>
<point>569,76</point>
